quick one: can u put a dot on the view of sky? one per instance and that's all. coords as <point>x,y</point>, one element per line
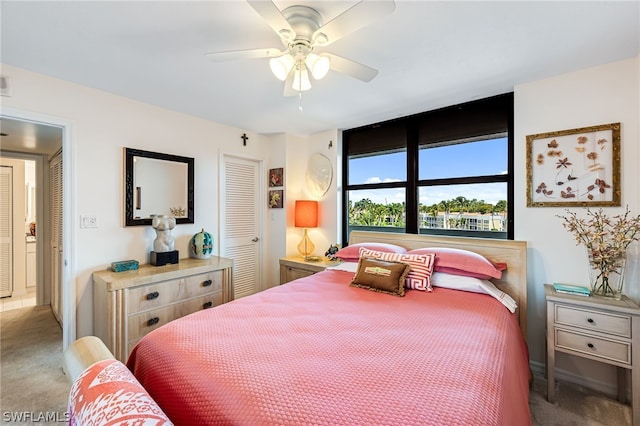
<point>469,159</point>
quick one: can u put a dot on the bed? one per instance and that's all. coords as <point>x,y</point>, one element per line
<point>318,351</point>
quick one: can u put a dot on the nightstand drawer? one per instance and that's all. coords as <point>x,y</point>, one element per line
<point>594,346</point>
<point>603,322</point>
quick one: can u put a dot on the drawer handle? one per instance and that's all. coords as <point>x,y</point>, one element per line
<point>153,295</point>
<point>590,320</point>
<point>207,305</point>
<point>153,321</point>
<point>207,283</point>
<point>590,345</point>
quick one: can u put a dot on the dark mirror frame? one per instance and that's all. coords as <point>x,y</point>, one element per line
<point>129,191</point>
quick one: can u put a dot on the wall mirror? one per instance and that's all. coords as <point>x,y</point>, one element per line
<point>156,184</point>
<point>319,175</point>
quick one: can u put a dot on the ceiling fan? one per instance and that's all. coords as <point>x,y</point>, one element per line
<point>302,30</point>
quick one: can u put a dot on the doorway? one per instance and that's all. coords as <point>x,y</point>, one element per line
<point>241,211</point>
<point>42,138</point>
<point>19,261</point>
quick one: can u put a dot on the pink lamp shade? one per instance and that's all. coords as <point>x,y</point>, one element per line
<point>306,214</point>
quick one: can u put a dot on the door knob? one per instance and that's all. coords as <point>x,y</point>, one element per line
<point>256,239</point>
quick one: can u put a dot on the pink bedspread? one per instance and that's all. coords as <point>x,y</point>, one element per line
<point>316,351</point>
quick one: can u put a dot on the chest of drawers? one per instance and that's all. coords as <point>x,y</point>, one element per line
<point>130,304</point>
<point>600,329</point>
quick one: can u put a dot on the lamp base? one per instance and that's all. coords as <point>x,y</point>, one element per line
<point>312,258</point>
<point>306,247</point>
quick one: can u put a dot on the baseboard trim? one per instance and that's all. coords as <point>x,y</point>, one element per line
<point>540,373</point>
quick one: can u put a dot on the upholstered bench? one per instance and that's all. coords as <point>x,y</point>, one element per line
<point>103,389</point>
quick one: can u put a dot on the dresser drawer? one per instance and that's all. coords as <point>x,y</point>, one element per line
<point>586,344</point>
<point>143,323</point>
<point>152,296</point>
<point>603,322</point>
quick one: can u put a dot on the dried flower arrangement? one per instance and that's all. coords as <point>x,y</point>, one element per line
<point>606,240</point>
<point>178,211</point>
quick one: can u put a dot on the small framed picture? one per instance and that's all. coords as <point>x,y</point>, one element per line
<point>577,167</point>
<point>276,177</point>
<point>276,198</point>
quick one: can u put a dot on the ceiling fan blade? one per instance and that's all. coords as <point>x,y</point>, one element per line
<point>357,16</point>
<point>233,55</point>
<point>352,68</point>
<point>270,13</point>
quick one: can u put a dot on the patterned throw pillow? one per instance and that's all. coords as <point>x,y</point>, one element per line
<point>419,277</point>
<point>381,275</point>
<point>108,393</point>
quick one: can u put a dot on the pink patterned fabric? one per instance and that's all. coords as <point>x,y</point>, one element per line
<point>317,351</point>
<point>419,277</point>
<point>108,394</point>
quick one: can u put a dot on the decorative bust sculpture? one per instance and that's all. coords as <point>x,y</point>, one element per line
<point>164,241</point>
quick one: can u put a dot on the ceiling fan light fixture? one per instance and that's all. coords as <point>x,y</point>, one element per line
<point>318,64</point>
<point>281,66</point>
<point>301,80</point>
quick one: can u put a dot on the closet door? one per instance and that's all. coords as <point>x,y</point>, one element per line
<point>6,231</point>
<point>55,226</point>
<point>241,223</point>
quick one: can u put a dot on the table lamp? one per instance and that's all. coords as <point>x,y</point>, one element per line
<point>306,216</point>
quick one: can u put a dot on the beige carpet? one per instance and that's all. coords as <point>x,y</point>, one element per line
<point>32,380</point>
<point>33,386</point>
<point>575,406</point>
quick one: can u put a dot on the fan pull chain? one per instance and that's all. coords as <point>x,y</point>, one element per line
<point>300,99</point>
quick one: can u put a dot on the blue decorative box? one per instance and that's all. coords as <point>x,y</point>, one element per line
<point>124,265</point>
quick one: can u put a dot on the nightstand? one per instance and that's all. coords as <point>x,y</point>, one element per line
<point>294,267</point>
<point>600,329</point>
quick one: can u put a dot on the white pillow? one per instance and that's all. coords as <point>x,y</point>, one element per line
<point>345,266</point>
<point>472,284</point>
<point>457,282</point>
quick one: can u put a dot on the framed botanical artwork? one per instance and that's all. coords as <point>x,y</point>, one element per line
<point>276,198</point>
<point>276,177</point>
<point>577,167</point>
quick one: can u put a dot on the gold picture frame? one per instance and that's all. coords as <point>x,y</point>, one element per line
<point>576,167</point>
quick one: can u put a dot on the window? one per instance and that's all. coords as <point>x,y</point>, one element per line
<point>447,171</point>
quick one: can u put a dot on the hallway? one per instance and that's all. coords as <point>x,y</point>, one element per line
<point>18,302</point>
<point>31,377</point>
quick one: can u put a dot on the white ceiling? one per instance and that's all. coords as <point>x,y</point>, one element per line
<point>429,54</point>
<point>30,137</point>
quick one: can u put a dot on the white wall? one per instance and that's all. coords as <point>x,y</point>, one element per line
<point>298,152</point>
<point>276,218</point>
<point>600,95</point>
<point>104,124</point>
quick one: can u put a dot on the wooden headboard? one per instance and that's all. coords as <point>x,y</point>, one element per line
<point>513,253</point>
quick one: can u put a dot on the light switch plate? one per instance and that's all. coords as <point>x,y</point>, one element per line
<point>88,222</point>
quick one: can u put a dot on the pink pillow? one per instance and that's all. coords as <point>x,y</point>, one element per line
<point>352,253</point>
<point>419,276</point>
<point>463,262</point>
<point>107,392</point>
